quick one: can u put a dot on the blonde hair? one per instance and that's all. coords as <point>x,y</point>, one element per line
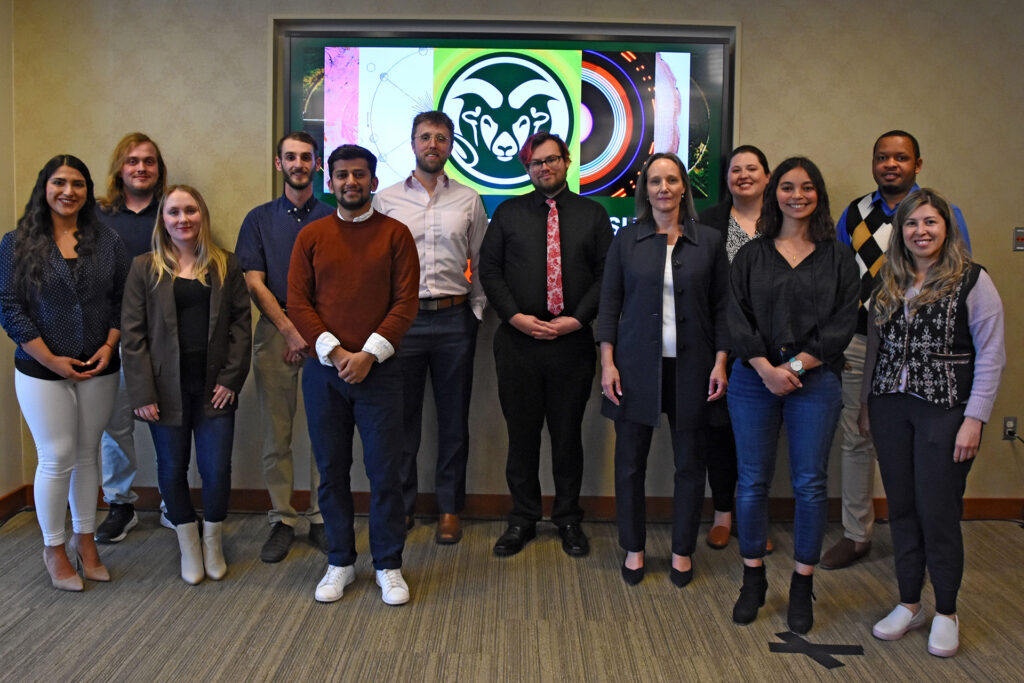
<point>898,272</point>
<point>209,257</point>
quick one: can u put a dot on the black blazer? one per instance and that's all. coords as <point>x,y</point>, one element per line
<point>630,319</point>
<point>149,339</point>
<point>717,217</point>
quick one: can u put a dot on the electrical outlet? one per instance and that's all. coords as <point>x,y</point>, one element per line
<point>1009,428</point>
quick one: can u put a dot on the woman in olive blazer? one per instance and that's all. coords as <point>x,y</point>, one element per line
<point>186,343</point>
<point>662,330</point>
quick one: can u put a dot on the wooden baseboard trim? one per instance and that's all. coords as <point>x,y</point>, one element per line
<point>14,502</point>
<point>496,506</point>
<point>596,508</point>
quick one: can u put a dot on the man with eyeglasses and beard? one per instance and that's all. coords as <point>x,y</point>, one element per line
<point>541,265</point>
<point>448,221</point>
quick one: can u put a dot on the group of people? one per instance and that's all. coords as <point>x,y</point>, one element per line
<point>732,322</point>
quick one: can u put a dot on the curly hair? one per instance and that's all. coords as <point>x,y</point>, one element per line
<point>898,272</point>
<point>34,231</point>
<point>769,224</point>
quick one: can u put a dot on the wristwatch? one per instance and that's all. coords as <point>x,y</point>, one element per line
<point>797,366</point>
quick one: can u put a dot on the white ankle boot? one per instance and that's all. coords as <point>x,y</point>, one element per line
<point>213,550</point>
<point>191,552</point>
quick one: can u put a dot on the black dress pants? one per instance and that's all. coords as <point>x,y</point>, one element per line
<point>542,381</point>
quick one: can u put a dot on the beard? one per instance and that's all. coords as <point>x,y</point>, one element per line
<point>291,182</point>
<point>430,165</point>
<point>353,204</point>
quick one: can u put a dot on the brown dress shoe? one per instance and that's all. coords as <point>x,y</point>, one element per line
<point>449,529</point>
<point>718,537</point>
<point>844,553</point>
<point>769,547</point>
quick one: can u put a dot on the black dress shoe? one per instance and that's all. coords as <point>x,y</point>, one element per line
<point>513,540</point>
<point>681,578</point>
<point>574,541</point>
<point>632,576</point>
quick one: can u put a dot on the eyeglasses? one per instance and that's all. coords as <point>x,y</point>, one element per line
<point>427,137</point>
<point>535,164</point>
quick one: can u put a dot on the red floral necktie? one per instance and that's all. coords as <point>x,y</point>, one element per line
<point>555,303</point>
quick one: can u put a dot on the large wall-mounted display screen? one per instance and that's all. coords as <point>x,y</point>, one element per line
<point>615,99</point>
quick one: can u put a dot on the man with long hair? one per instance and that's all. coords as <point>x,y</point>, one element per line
<point>135,183</point>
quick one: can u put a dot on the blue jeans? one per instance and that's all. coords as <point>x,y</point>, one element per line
<point>334,409</point>
<point>119,462</point>
<point>810,414</point>
<point>444,342</point>
<point>213,437</point>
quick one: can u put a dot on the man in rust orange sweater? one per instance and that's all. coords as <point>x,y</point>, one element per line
<point>352,294</point>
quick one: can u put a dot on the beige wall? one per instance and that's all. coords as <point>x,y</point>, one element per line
<point>820,80</point>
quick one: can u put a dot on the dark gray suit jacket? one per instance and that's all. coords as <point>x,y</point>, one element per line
<point>149,339</point>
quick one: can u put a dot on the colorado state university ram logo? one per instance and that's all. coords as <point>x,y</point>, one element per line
<point>496,102</point>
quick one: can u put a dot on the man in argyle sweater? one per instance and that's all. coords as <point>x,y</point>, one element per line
<point>866,225</point>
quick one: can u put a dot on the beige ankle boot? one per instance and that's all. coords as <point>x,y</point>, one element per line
<point>191,552</point>
<point>213,551</point>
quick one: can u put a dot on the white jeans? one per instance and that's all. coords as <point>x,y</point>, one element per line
<point>66,420</point>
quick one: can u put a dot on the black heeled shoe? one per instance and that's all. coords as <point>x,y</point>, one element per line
<point>681,578</point>
<point>632,576</point>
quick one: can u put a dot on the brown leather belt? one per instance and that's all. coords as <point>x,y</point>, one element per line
<point>443,302</point>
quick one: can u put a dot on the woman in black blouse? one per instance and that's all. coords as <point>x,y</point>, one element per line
<point>792,311</point>
<point>61,277</point>
<point>186,345</point>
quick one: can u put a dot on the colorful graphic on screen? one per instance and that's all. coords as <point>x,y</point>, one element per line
<point>601,103</point>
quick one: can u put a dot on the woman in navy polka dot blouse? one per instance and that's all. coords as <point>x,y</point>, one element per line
<point>62,274</point>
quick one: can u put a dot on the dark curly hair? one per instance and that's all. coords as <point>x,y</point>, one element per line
<point>770,222</point>
<point>34,232</point>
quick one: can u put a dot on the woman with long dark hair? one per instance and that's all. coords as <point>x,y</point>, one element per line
<point>186,345</point>
<point>61,277</point>
<point>792,311</point>
<point>662,331</point>
<point>935,355</point>
<point>746,175</point>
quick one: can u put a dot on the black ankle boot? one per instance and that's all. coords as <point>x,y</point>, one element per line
<point>801,610</point>
<point>755,585</point>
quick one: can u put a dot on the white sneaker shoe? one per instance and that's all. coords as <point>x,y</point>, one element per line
<point>332,586</point>
<point>944,639</point>
<point>897,623</point>
<point>393,588</point>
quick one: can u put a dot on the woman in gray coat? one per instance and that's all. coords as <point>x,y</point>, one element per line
<point>663,339</point>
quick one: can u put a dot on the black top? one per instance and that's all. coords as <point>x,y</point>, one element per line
<point>513,258</point>
<point>192,304</point>
<point>134,229</point>
<point>776,311</point>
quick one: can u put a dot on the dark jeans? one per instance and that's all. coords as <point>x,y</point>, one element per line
<point>213,438</point>
<point>810,414</point>
<point>914,440</point>
<point>542,381</point>
<point>442,342</point>
<point>632,446</point>
<point>334,409</point>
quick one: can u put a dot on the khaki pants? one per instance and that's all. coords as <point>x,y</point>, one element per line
<point>857,452</point>
<point>277,385</point>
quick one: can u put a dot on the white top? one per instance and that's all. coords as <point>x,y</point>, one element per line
<point>448,228</point>
<point>668,310</point>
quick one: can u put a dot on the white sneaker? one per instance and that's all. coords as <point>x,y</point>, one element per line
<point>393,589</point>
<point>332,586</point>
<point>944,639</point>
<point>899,621</point>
